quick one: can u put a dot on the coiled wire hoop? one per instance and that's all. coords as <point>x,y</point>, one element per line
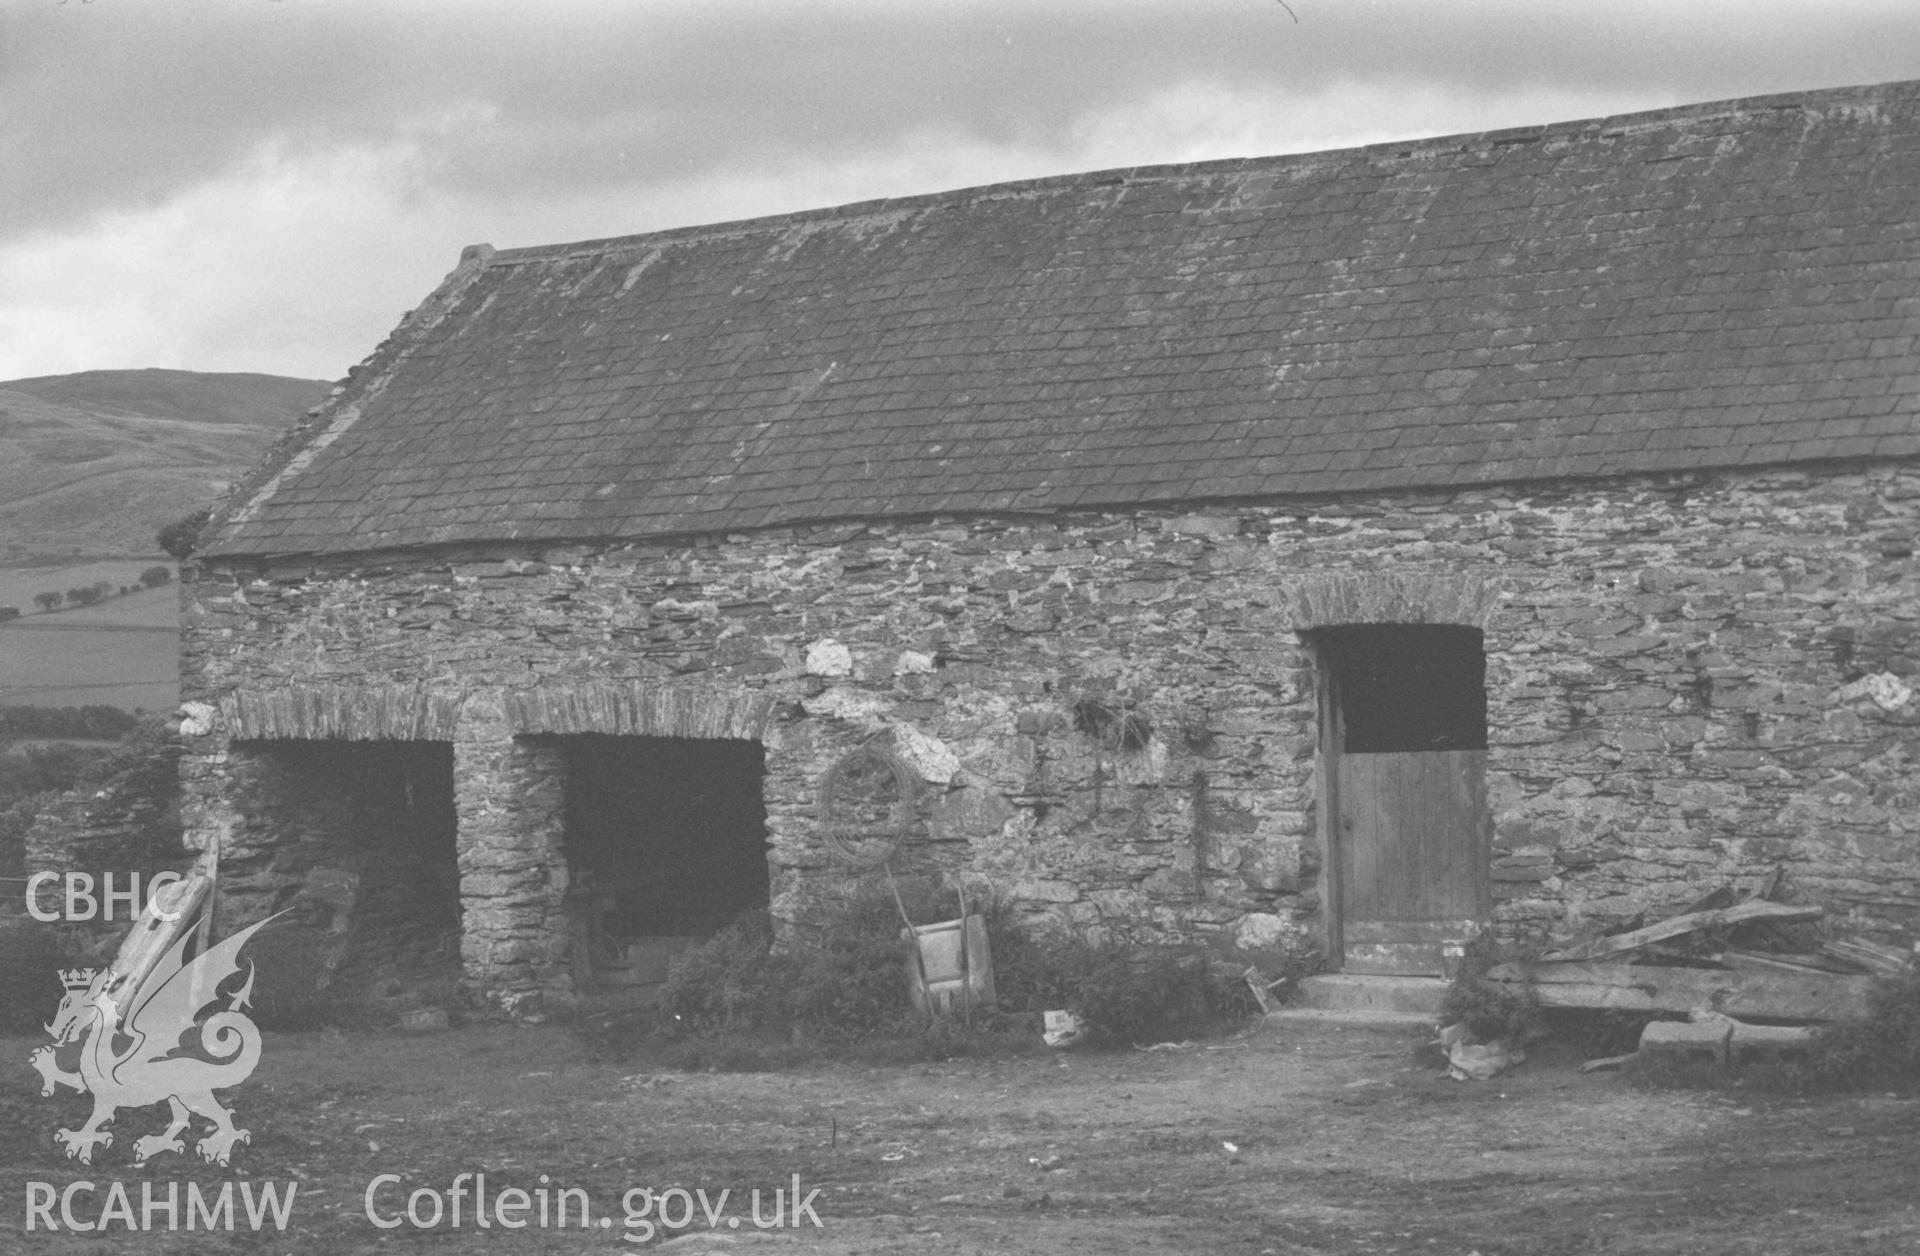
<point>866,806</point>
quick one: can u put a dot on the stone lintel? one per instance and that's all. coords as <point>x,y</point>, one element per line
<point>361,712</point>
<point>637,710</point>
<point>1413,597</point>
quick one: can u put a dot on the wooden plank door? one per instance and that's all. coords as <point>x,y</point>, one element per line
<point>1413,840</point>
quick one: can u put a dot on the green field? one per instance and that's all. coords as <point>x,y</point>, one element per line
<point>18,585</point>
<point>122,652</point>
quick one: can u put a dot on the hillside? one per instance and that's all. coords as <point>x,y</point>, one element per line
<point>92,464</point>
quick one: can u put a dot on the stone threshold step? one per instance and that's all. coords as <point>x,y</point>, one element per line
<point>1352,992</point>
<point>1375,1018</point>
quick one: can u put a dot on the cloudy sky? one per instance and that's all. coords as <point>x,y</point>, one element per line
<point>267,185</point>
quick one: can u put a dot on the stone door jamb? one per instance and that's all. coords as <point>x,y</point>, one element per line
<point>1333,601</point>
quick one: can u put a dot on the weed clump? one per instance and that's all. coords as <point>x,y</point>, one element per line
<point>1124,995</point>
<point>1883,1050</point>
<point>1492,1011</point>
<point>849,980</point>
<point>843,982</point>
<point>730,982</point>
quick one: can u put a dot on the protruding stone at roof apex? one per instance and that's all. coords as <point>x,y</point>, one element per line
<point>1619,298</point>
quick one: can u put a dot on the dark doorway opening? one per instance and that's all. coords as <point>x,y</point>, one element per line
<point>1404,688</point>
<point>1407,837</point>
<point>666,840</point>
<point>361,854</point>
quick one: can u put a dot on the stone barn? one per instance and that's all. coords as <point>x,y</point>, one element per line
<point>1311,552</point>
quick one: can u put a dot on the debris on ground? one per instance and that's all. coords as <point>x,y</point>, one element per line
<point>1468,1060</point>
<point>1261,987</point>
<point>1062,1029</point>
<point>1726,963</point>
<point>1748,957</point>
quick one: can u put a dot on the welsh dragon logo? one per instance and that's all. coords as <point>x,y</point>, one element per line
<point>166,1047</point>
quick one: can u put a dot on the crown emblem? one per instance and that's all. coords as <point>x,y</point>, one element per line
<point>77,978</point>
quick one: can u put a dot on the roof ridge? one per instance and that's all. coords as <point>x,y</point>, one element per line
<point>1411,147</point>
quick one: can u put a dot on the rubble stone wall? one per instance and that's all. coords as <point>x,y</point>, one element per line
<point>351,841</point>
<point>1690,680</point>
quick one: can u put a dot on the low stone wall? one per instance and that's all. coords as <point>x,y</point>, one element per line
<point>121,820</point>
<point>1690,681</point>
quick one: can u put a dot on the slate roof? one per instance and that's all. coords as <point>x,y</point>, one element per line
<point>1720,285</point>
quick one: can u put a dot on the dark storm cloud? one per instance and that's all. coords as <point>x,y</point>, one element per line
<point>119,105</point>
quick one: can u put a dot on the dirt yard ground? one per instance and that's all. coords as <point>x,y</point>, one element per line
<point>1342,1141</point>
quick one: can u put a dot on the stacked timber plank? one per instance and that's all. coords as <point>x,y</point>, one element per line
<point>1688,965</point>
<point>1678,990</point>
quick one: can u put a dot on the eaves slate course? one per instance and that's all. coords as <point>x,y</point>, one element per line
<point>1720,285</point>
